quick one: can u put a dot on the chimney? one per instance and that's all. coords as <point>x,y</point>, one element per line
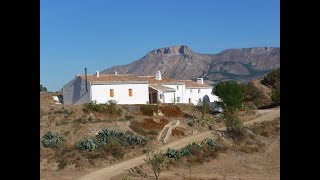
<point>115,72</point>
<point>200,80</point>
<point>85,72</point>
<point>97,73</point>
<point>158,76</point>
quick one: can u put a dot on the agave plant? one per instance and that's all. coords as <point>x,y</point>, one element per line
<point>210,143</point>
<point>172,153</point>
<point>88,144</point>
<point>52,139</point>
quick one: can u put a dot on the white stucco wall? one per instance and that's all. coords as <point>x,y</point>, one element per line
<point>195,95</point>
<point>101,93</point>
<point>180,90</point>
<point>168,97</point>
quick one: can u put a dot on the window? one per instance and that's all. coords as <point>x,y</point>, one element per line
<point>177,87</point>
<point>161,95</point>
<point>190,90</point>
<point>111,93</point>
<point>199,91</point>
<point>130,92</point>
<point>178,99</point>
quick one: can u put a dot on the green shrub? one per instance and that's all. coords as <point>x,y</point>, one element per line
<point>112,108</point>
<point>234,126</point>
<point>253,94</point>
<point>88,144</point>
<point>93,106</point>
<point>109,108</point>
<point>52,139</point>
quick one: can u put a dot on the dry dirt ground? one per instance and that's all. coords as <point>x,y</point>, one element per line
<point>228,165</point>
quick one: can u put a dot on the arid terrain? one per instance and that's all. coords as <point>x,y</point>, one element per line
<point>256,156</point>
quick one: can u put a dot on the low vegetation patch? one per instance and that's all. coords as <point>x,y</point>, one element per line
<point>253,97</point>
<point>248,144</point>
<point>136,127</point>
<point>107,137</point>
<point>52,139</point>
<point>267,128</point>
<point>148,110</point>
<point>195,152</point>
<point>110,108</point>
<point>193,121</point>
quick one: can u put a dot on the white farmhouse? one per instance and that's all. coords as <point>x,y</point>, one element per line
<point>125,89</point>
<point>131,89</point>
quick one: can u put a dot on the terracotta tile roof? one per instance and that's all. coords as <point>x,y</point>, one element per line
<point>122,78</point>
<point>113,78</point>
<point>193,84</point>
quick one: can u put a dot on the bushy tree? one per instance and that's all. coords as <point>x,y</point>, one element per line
<point>252,94</point>
<point>43,89</point>
<point>231,94</point>
<point>272,79</point>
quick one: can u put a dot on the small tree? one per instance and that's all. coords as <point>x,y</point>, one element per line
<point>203,107</point>
<point>231,94</point>
<point>157,161</point>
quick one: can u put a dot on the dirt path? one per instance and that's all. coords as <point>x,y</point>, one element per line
<point>113,170</point>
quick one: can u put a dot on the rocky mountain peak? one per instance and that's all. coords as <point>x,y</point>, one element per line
<point>180,62</point>
<point>180,49</point>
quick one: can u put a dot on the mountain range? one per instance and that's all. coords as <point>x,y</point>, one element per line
<point>180,62</point>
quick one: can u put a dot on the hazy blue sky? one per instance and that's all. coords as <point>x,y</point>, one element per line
<point>99,34</point>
